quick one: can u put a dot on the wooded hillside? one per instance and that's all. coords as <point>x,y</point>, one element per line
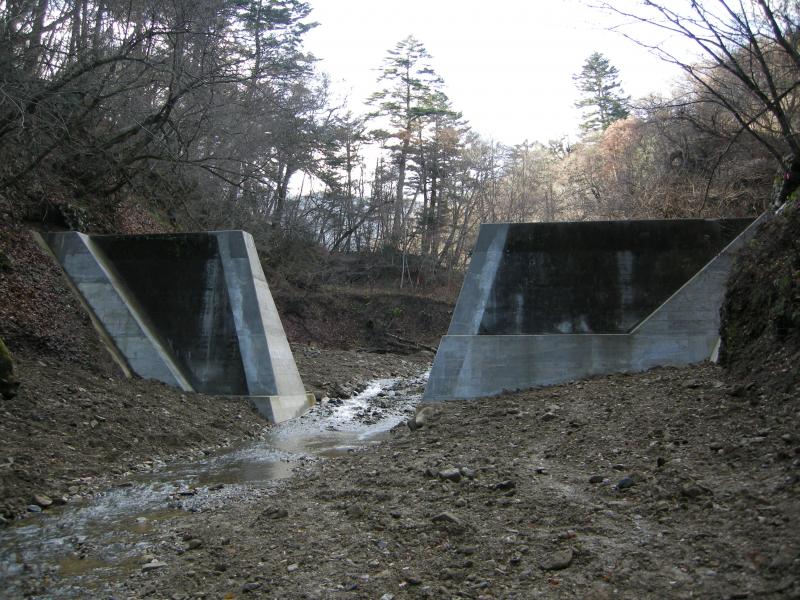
<point>131,116</point>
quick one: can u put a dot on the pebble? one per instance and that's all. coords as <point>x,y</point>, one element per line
<point>251,586</point>
<point>504,485</point>
<point>692,491</point>
<point>293,567</point>
<point>194,543</point>
<point>387,597</point>
<point>450,475</point>
<point>596,479</point>
<point>34,508</point>
<point>446,517</point>
<point>42,500</point>
<point>153,565</point>
<point>422,418</point>
<point>557,561</point>
<point>548,416</point>
<point>275,513</point>
<point>625,483</point>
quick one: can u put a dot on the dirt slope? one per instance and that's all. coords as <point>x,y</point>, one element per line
<point>761,315</point>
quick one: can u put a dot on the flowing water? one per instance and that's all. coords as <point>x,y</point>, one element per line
<point>71,551</point>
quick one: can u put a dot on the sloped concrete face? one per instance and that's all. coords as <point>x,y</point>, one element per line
<point>551,302</point>
<point>191,310</point>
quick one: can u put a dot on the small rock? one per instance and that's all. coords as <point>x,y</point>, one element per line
<point>619,467</point>
<point>275,513</point>
<point>504,485</point>
<point>153,565</point>
<point>194,543</point>
<point>548,416</point>
<point>692,491</point>
<point>450,475</point>
<point>557,561</point>
<point>625,483</point>
<point>355,511</point>
<point>387,597</point>
<point>251,586</point>
<point>467,472</point>
<point>34,508</point>
<point>42,500</point>
<point>446,517</point>
<point>737,391</point>
<point>293,567</point>
<point>596,479</point>
<point>422,418</point>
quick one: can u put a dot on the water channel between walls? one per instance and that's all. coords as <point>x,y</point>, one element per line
<point>77,548</point>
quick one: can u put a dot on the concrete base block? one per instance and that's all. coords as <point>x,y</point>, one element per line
<point>282,408</point>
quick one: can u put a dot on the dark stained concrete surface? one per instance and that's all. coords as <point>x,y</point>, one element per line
<point>191,310</point>
<point>544,303</point>
<point>596,277</point>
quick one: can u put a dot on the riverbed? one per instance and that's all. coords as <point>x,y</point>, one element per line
<point>73,550</point>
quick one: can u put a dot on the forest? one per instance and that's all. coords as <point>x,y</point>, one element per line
<point>212,115</point>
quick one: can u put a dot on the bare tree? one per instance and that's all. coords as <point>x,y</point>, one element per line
<point>749,66</point>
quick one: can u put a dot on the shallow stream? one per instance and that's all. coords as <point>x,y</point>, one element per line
<point>71,551</point>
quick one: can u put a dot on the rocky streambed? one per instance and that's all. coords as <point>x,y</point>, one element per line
<point>675,483</point>
<point>75,550</point>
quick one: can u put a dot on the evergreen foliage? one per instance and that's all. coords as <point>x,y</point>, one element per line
<point>603,97</point>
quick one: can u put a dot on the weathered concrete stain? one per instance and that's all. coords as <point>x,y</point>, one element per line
<point>545,303</point>
<point>191,310</point>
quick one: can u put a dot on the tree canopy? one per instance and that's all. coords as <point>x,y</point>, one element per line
<point>603,99</point>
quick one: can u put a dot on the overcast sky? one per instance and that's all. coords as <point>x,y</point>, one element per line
<point>507,64</point>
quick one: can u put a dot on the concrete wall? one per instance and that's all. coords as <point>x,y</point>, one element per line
<point>191,310</point>
<point>656,302</point>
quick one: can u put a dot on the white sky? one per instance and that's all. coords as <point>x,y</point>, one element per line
<point>507,64</point>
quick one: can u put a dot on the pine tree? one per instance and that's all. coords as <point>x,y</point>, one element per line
<point>603,97</point>
<point>410,85</point>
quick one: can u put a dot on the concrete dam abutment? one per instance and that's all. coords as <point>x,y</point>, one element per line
<point>546,303</point>
<point>191,310</point>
